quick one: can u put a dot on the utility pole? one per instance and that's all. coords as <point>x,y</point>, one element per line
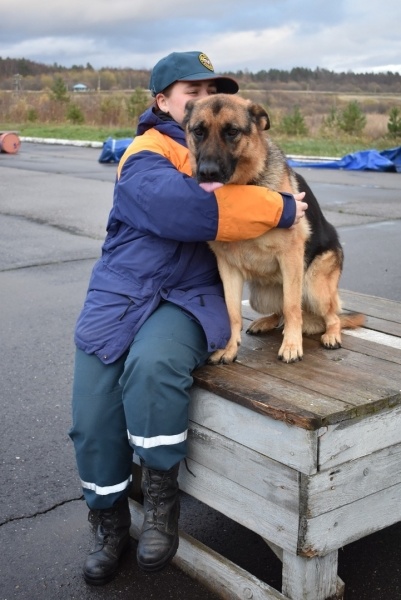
<point>17,83</point>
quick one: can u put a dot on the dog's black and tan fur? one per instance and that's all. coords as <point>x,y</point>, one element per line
<point>293,274</point>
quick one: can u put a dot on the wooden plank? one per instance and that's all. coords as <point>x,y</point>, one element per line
<point>218,574</point>
<point>381,308</point>
<point>330,531</point>
<point>351,440</point>
<point>370,347</point>
<point>324,388</point>
<point>285,443</point>
<point>377,337</point>
<point>268,343</point>
<point>274,391</point>
<point>355,386</point>
<point>239,504</point>
<point>340,375</point>
<point>332,488</point>
<point>381,314</point>
<point>318,360</point>
<point>243,506</point>
<point>274,482</point>
<point>310,578</point>
<point>385,326</point>
<point>270,479</point>
<point>279,553</point>
<point>386,374</point>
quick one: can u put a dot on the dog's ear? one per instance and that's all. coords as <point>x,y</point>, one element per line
<point>187,112</point>
<point>259,116</point>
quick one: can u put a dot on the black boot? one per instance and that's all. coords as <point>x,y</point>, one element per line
<point>158,541</point>
<point>112,539</point>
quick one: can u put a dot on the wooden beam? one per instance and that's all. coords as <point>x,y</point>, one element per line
<point>218,574</point>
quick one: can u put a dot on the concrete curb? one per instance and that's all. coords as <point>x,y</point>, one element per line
<point>81,143</point>
<point>303,158</point>
<point>87,144</point>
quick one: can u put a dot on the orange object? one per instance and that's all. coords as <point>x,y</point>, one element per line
<point>9,142</point>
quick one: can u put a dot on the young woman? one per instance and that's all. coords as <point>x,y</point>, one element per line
<point>154,312</point>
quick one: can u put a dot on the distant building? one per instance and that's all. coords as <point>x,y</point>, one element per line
<point>80,87</point>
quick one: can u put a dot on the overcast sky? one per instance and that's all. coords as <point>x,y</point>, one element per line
<point>340,35</point>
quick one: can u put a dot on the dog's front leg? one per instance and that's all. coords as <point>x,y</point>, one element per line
<point>233,283</point>
<point>292,271</point>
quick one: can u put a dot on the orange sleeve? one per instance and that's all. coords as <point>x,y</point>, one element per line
<point>246,211</point>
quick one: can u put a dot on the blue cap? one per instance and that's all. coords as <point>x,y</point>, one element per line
<point>188,66</point>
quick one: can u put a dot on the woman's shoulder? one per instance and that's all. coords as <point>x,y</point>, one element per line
<point>151,141</point>
<point>159,143</point>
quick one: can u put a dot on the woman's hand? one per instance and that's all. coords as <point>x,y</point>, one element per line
<point>301,207</point>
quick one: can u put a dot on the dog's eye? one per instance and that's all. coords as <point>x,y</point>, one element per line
<point>232,132</point>
<point>198,131</point>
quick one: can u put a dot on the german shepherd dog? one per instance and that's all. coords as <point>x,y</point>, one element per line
<point>293,274</point>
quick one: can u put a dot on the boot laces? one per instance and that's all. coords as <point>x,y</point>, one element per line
<point>158,482</point>
<point>107,525</point>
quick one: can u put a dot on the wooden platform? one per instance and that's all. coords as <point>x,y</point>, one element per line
<point>307,455</point>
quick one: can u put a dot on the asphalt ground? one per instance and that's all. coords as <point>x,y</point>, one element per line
<point>54,202</point>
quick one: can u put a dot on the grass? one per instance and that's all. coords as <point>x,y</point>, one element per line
<point>329,147</point>
<point>306,146</point>
<point>67,132</point>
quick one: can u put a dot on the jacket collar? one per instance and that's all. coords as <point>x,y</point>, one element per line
<point>152,118</point>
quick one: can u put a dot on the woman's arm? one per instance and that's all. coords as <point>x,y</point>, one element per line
<point>153,196</point>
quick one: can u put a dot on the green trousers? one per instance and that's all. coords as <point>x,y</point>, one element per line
<point>137,404</point>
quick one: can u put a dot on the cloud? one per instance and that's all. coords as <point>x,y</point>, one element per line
<point>262,34</point>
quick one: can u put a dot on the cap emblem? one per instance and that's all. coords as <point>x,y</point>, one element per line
<point>205,61</point>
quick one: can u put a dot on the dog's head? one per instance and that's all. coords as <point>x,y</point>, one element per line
<point>225,137</point>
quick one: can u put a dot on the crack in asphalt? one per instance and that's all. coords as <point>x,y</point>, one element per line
<point>47,263</point>
<point>63,228</point>
<point>40,512</point>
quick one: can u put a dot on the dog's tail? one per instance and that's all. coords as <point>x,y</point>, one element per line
<point>312,324</point>
<point>352,320</point>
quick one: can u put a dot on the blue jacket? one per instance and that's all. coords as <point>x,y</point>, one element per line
<point>156,249</point>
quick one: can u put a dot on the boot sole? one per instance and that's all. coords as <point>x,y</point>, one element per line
<point>152,568</point>
<point>100,581</point>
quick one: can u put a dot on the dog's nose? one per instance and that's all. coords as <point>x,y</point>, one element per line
<point>209,171</point>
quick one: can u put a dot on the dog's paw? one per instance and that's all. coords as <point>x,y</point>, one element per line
<point>221,357</point>
<point>264,324</point>
<point>290,353</point>
<point>225,355</point>
<point>331,341</point>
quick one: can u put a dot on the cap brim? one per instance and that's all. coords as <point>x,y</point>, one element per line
<point>224,85</point>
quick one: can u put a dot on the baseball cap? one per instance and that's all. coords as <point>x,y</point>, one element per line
<point>187,66</point>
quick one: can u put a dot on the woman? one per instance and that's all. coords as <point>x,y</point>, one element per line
<point>154,312</point>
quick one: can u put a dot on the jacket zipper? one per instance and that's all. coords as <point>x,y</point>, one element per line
<point>130,303</point>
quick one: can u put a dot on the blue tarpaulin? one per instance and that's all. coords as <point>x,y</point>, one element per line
<point>366,160</point>
<point>394,155</point>
<point>113,149</point>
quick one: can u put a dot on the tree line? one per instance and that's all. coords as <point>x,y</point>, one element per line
<point>24,74</point>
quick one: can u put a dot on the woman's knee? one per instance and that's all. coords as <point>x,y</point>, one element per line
<point>161,361</point>
<point>92,377</point>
